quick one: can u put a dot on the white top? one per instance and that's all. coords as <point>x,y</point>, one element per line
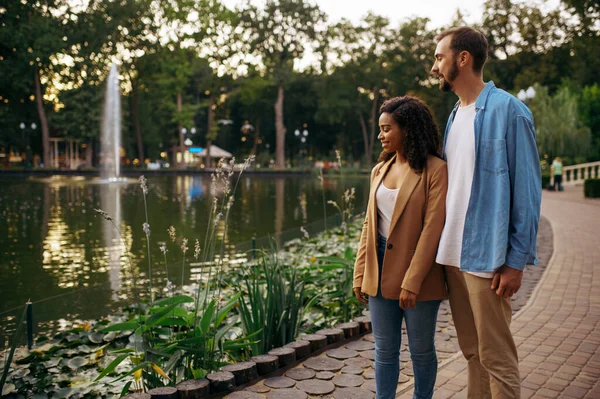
<point>460,153</point>
<point>386,200</point>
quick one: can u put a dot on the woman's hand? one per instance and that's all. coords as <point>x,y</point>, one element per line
<point>360,296</point>
<point>407,299</point>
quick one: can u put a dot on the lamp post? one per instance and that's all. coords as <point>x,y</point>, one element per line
<point>302,136</point>
<point>27,132</point>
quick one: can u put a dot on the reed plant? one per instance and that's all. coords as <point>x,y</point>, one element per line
<point>338,270</point>
<point>274,303</point>
<point>187,336</point>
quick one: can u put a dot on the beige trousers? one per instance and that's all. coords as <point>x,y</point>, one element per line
<point>482,321</point>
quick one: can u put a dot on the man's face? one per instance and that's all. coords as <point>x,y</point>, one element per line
<point>445,67</point>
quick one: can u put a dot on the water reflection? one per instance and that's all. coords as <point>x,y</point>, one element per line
<point>110,202</point>
<point>61,257</point>
<point>52,244</point>
<point>279,208</point>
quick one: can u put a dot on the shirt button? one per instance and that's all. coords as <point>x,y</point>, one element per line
<point>390,246</point>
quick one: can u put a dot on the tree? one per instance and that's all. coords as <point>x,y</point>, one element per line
<point>357,53</point>
<point>559,129</point>
<point>32,36</point>
<point>278,34</point>
<point>589,106</point>
<point>253,95</point>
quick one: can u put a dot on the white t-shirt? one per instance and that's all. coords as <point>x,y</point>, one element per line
<point>460,153</point>
<point>386,200</point>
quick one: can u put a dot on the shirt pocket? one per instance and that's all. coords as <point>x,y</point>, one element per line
<point>494,157</point>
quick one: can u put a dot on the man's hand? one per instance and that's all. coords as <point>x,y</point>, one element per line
<point>507,281</point>
<point>360,296</point>
<point>407,299</point>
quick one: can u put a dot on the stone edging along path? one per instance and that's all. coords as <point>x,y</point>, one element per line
<point>237,379</point>
<point>336,362</point>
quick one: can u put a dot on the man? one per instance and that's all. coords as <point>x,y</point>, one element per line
<point>492,211</point>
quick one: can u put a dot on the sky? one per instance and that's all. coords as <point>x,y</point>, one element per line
<point>440,12</point>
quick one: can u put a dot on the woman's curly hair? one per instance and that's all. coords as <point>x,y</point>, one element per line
<point>422,135</point>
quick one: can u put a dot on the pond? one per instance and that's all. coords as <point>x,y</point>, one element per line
<point>56,251</point>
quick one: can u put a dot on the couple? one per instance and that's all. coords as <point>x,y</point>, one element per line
<point>464,229</point>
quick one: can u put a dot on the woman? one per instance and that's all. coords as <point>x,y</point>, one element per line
<point>395,270</point>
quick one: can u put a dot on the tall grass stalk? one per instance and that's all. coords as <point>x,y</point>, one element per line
<point>13,347</point>
<point>146,228</point>
<point>345,209</point>
<point>221,179</point>
<point>184,249</point>
<point>228,206</point>
<point>321,179</point>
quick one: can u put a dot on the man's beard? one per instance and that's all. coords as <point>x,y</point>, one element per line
<point>452,74</point>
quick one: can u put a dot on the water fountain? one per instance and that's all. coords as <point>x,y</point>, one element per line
<point>110,143</point>
<point>110,171</point>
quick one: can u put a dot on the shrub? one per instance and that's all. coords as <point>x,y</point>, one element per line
<point>591,188</point>
<point>545,181</point>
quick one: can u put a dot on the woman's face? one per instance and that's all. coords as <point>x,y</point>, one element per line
<point>390,134</point>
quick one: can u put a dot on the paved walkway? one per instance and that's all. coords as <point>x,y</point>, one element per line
<point>558,332</point>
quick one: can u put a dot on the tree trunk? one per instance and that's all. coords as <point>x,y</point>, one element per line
<point>256,136</point>
<point>373,121</point>
<point>181,138</point>
<point>89,154</point>
<point>43,120</point>
<point>365,134</point>
<point>135,113</point>
<point>280,131</point>
<point>209,128</point>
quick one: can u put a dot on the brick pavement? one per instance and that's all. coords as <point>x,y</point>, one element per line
<point>558,331</point>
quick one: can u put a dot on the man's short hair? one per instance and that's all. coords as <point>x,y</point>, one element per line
<point>465,38</point>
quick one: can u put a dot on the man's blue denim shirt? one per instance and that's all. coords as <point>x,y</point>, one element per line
<point>504,209</point>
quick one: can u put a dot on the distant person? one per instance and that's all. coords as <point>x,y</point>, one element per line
<point>395,270</point>
<point>557,172</point>
<point>493,211</point>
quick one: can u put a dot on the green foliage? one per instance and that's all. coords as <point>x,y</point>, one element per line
<point>176,49</point>
<point>591,188</point>
<point>558,127</point>
<point>339,302</point>
<point>589,106</point>
<point>274,304</point>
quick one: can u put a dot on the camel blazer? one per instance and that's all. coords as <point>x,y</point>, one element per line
<point>415,229</point>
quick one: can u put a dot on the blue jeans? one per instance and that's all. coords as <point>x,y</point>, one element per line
<point>386,319</point>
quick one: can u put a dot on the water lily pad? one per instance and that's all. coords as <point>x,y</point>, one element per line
<point>77,362</point>
<point>85,349</point>
<point>110,336</point>
<point>96,337</point>
<point>63,393</point>
<point>73,337</point>
<point>44,348</point>
<point>53,362</point>
<point>20,373</point>
<point>8,389</point>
